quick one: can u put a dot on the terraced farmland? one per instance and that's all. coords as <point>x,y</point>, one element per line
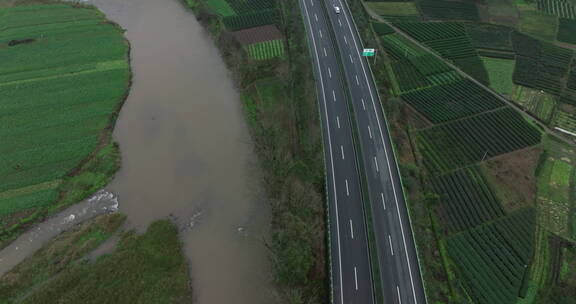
<point>63,75</point>
<point>492,258</point>
<point>466,199</point>
<point>451,41</point>
<point>452,101</point>
<point>467,141</point>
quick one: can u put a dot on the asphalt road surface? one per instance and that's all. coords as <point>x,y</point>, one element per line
<point>332,35</point>
<point>351,276</point>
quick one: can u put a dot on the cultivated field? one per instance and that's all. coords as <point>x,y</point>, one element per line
<point>497,217</point>
<point>253,23</point>
<point>63,75</point>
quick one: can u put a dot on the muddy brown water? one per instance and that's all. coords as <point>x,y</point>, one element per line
<point>187,153</point>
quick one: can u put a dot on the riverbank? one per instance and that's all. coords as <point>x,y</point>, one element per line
<point>59,106</point>
<point>144,268</point>
<point>280,106</point>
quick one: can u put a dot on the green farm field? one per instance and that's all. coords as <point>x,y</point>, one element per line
<point>539,25</point>
<point>500,73</point>
<point>266,50</point>
<point>393,8</point>
<point>536,102</point>
<point>63,75</point>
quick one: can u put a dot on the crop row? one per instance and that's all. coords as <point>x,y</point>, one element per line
<point>45,14</point>
<point>467,141</point>
<point>449,10</point>
<point>572,78</point>
<point>496,54</point>
<point>249,6</point>
<point>382,28</point>
<point>560,8</point>
<point>490,36</point>
<point>408,77</point>
<point>399,47</point>
<point>59,91</point>
<point>492,259</point>
<point>266,50</point>
<point>565,121</point>
<point>466,200</point>
<point>239,22</point>
<point>473,66</point>
<point>427,31</point>
<point>452,101</point>
<point>532,73</point>
<point>566,30</point>
<point>27,201</point>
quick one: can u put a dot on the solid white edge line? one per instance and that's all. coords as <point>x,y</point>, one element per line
<point>387,158</point>
<point>398,291</point>
<point>390,241</point>
<point>331,156</point>
<point>383,201</point>
<point>355,277</point>
<point>351,229</point>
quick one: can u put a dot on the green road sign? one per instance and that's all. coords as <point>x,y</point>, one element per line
<point>368,52</point>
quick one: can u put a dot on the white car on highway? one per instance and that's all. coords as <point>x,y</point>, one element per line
<point>337,9</point>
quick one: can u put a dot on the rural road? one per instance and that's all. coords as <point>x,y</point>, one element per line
<point>333,35</point>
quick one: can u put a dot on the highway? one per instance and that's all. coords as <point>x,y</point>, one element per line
<point>350,269</point>
<point>336,51</point>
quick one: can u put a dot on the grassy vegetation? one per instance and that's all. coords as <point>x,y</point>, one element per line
<point>148,268</point>
<point>500,74</point>
<point>281,110</point>
<point>63,75</point>
<point>57,256</point>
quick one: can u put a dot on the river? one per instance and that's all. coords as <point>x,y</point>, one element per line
<point>187,153</point>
